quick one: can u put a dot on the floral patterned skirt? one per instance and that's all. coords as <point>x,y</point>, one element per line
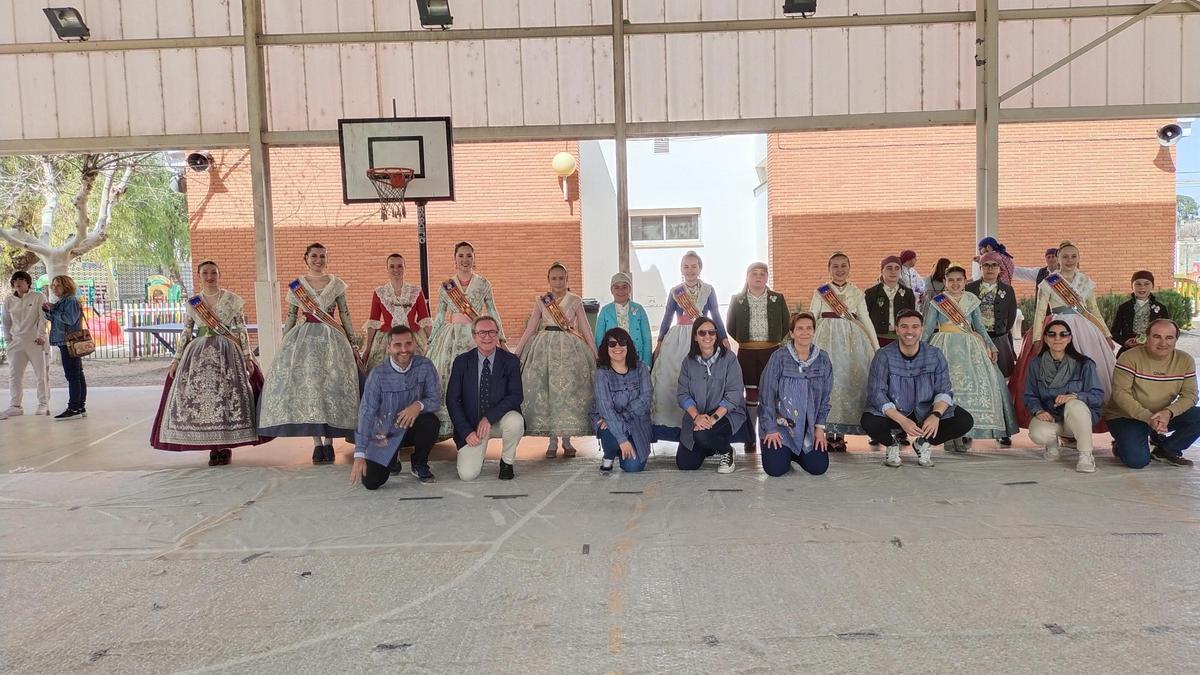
<point>209,403</point>
<point>312,389</point>
<point>557,371</point>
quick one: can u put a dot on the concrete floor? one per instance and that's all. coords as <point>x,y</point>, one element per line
<point>118,558</point>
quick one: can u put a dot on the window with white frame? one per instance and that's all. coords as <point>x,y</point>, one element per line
<point>649,228</point>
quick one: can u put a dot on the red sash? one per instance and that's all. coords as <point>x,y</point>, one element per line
<point>209,318</point>
<point>1064,289</point>
<point>952,311</point>
<point>551,304</point>
<point>685,303</point>
<point>459,298</point>
<point>310,306</point>
<point>834,301</point>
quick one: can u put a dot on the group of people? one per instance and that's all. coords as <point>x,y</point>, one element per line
<point>32,326</point>
<point>910,361</point>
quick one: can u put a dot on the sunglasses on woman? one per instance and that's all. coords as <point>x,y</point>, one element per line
<point>1063,333</point>
<point>617,342</point>
<point>706,333</point>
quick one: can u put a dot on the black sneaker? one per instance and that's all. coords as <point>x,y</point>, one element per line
<point>1160,455</point>
<point>396,468</point>
<point>423,474</point>
<point>506,470</point>
<point>1006,442</point>
<point>69,414</point>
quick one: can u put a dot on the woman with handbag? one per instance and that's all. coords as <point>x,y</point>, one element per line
<point>67,332</point>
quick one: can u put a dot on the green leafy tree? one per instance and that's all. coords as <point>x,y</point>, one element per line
<point>150,225</point>
<point>1186,209</point>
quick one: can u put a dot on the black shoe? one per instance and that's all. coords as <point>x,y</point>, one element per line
<point>506,470</point>
<point>396,467</point>
<point>329,456</point>
<point>214,457</point>
<point>225,456</point>
<point>423,474</point>
<point>1160,455</point>
<point>69,414</point>
<point>1006,442</point>
<point>318,456</point>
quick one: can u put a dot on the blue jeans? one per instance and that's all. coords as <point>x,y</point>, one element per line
<point>1131,437</point>
<point>76,383</point>
<point>778,461</point>
<point>612,450</point>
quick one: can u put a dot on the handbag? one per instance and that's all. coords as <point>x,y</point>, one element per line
<point>80,342</point>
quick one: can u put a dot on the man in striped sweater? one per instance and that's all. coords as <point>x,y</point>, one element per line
<point>1154,401</point>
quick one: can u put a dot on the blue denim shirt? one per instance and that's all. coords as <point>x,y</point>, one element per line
<point>909,385</point>
<point>386,393</point>
<point>1085,385</point>
<point>65,316</point>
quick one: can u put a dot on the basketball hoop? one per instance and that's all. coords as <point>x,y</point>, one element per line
<point>390,184</point>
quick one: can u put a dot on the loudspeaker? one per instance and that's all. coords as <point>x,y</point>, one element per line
<point>1170,134</point>
<point>199,160</point>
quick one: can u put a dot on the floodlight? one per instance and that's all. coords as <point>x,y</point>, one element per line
<point>67,23</point>
<point>802,8</point>
<point>435,13</point>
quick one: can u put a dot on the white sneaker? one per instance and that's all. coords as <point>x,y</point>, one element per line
<point>1086,463</point>
<point>3,416</point>
<point>43,410</point>
<point>1051,452</point>
<point>924,452</point>
<point>606,464</point>
<point>726,465</point>
<point>14,411</point>
<point>893,456</point>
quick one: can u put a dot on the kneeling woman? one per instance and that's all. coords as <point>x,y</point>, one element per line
<point>210,399</point>
<point>1064,395</point>
<point>623,396</point>
<point>794,402</point>
<point>711,394</point>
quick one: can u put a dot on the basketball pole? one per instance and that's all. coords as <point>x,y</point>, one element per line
<point>421,246</point>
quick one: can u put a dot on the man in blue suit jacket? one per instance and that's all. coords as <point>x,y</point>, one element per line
<point>483,397</point>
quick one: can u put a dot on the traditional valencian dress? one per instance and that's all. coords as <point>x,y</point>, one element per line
<point>458,305</point>
<point>684,306</point>
<point>850,342</point>
<point>978,384</point>
<point>557,368</point>
<point>312,389</point>
<point>389,309</point>
<point>1059,298</point>
<point>210,403</point>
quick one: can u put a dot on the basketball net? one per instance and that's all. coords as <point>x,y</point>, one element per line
<point>390,184</point>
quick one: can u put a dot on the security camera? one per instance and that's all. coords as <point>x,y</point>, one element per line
<point>1169,135</point>
<point>200,160</point>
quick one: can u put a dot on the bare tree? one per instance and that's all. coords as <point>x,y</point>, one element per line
<point>37,185</point>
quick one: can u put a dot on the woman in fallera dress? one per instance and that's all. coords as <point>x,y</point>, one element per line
<point>557,356</point>
<point>954,325</point>
<point>210,399</point>
<point>686,303</point>
<point>461,299</point>
<point>392,304</point>
<point>845,333</point>
<point>312,389</point>
<point>1070,295</point>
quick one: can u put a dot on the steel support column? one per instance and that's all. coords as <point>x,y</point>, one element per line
<point>622,159</point>
<point>987,118</point>
<point>266,285</point>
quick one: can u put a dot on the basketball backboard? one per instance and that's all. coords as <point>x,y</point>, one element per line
<point>423,144</point>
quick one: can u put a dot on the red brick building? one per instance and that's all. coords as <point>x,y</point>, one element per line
<point>508,203</point>
<point>1107,186</point>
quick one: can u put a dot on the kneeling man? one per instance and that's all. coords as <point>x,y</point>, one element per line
<point>398,408</point>
<point>909,394</point>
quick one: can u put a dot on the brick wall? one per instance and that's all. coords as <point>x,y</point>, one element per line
<point>1107,186</point>
<point>508,204</point>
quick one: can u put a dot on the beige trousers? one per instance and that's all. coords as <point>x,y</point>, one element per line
<point>510,429</point>
<point>1077,424</point>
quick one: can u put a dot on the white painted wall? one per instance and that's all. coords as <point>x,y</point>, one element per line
<point>713,174</point>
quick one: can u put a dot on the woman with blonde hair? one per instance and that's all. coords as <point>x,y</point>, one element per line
<point>66,315</point>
